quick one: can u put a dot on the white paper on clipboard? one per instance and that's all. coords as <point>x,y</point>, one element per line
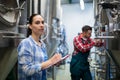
<point>63,58</point>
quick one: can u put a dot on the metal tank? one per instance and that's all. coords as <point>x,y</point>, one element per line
<point>107,28</point>
<point>10,12</point>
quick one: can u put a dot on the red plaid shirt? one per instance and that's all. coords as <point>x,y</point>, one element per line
<point>82,44</point>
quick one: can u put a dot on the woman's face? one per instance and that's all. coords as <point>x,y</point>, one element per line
<point>37,25</point>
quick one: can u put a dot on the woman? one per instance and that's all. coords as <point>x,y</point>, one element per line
<point>32,55</point>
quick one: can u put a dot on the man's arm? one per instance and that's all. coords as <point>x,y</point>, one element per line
<point>83,47</point>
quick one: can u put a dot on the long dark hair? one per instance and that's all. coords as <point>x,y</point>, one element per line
<point>29,31</point>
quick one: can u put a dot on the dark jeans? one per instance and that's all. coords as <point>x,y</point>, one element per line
<point>84,75</point>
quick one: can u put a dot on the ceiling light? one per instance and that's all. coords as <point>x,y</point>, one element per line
<point>82,4</point>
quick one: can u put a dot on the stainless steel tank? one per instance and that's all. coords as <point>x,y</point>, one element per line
<point>10,13</point>
<point>107,27</point>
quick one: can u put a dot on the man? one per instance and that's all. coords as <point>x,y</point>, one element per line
<point>79,65</point>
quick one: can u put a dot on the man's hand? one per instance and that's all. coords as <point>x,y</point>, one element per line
<point>98,42</point>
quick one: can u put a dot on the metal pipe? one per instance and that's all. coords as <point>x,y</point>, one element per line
<point>14,37</point>
<point>105,37</point>
<point>39,6</point>
<point>33,1</point>
<point>28,8</point>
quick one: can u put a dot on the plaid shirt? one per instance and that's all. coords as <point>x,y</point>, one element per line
<point>30,57</point>
<point>82,44</point>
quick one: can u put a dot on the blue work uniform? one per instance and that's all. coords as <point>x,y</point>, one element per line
<point>30,57</point>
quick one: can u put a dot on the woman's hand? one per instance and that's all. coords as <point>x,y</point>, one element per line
<point>52,61</point>
<point>56,58</point>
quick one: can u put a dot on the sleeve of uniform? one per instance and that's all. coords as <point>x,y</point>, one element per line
<point>25,59</point>
<point>82,47</point>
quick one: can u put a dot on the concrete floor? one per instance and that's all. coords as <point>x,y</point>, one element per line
<point>62,73</point>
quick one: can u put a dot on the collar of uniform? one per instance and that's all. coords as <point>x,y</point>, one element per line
<point>81,36</point>
<point>34,40</point>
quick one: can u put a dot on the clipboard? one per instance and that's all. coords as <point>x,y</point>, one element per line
<point>65,57</point>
